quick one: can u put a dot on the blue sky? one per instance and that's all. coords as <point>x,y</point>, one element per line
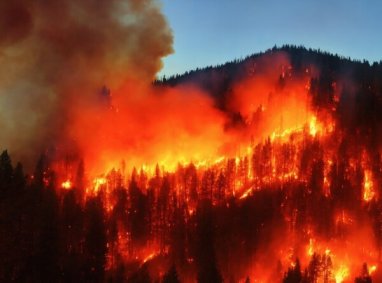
<point>210,32</point>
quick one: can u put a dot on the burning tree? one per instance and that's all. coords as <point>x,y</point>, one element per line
<point>266,170</point>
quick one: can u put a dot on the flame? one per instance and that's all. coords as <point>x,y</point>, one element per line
<point>341,274</point>
<point>368,190</point>
<point>67,185</point>
<point>98,183</point>
<point>372,269</point>
<point>201,155</point>
<point>246,193</point>
<point>327,252</point>
<point>313,128</point>
<point>149,257</point>
<point>310,249</point>
<point>246,182</point>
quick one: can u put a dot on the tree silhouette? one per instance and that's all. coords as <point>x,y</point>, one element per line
<point>140,276</point>
<point>95,241</point>
<point>364,277</point>
<point>6,173</point>
<point>171,276</point>
<point>293,275</point>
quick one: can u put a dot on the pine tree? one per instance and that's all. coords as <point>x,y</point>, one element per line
<point>293,275</point>
<point>171,276</point>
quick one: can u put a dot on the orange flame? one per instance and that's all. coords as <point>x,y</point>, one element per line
<point>67,185</point>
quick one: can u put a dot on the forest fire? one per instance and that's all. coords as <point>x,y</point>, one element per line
<point>266,169</point>
<point>212,191</point>
<point>276,162</point>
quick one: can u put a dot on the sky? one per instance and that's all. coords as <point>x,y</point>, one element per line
<point>210,32</point>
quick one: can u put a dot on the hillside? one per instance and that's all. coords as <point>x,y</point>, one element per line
<point>359,83</point>
<point>267,169</point>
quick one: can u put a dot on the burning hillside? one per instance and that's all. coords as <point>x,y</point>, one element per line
<point>261,170</point>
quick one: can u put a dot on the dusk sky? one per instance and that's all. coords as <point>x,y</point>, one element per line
<point>210,32</point>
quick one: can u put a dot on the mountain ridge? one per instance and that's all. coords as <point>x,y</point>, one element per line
<point>296,52</point>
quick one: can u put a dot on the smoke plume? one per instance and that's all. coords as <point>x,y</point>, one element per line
<point>76,82</point>
<point>55,56</point>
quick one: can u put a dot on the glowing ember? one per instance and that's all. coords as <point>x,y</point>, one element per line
<point>98,183</point>
<point>246,193</point>
<point>368,190</point>
<point>67,185</point>
<point>310,250</point>
<point>313,126</point>
<point>372,269</point>
<point>341,274</point>
<point>149,257</point>
<point>327,252</point>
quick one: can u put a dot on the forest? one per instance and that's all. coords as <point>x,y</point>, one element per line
<point>298,200</point>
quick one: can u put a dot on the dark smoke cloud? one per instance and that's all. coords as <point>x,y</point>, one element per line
<point>55,55</point>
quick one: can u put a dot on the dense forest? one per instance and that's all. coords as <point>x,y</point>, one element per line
<point>298,204</point>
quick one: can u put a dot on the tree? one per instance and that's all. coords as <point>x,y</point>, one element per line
<point>171,276</point>
<point>39,173</point>
<point>293,275</point>
<point>80,180</point>
<point>314,268</point>
<point>142,275</point>
<point>19,178</point>
<point>95,241</point>
<point>48,256</point>
<point>327,268</point>
<point>43,260</point>
<point>70,232</point>
<point>6,172</point>
<point>365,276</point>
<point>138,213</point>
<point>206,260</point>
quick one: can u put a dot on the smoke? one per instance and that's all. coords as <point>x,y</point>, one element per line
<point>270,99</point>
<point>145,125</point>
<point>56,55</point>
<point>155,125</point>
<point>76,80</point>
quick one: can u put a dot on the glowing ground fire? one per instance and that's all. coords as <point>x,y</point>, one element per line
<point>264,183</point>
<point>344,256</point>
